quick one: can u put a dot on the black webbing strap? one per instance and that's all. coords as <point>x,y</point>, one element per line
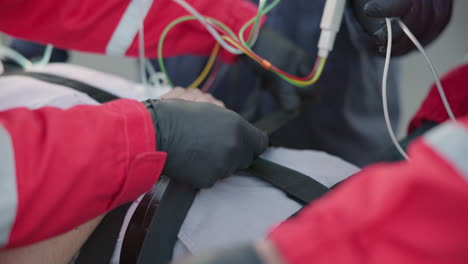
<point>161,236</point>
<point>275,121</point>
<point>298,186</point>
<point>97,94</point>
<point>165,226</point>
<point>100,245</point>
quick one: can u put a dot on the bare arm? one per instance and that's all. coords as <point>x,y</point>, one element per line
<point>57,250</point>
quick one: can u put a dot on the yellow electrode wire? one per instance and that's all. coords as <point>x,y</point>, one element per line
<point>235,44</point>
<point>239,43</point>
<point>207,69</point>
<point>266,64</point>
<point>317,75</point>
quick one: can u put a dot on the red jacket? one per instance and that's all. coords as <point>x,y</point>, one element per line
<point>59,169</point>
<point>110,26</point>
<point>455,85</point>
<point>413,212</point>
<point>407,212</point>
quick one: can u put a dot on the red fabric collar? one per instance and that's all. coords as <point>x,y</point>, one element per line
<point>455,85</point>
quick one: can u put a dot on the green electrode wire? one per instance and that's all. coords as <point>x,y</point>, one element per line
<point>257,20</point>
<point>173,24</point>
<point>244,43</point>
<point>166,30</point>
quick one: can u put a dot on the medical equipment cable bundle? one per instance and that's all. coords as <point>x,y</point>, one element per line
<point>331,21</point>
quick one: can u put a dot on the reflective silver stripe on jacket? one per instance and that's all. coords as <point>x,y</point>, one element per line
<point>128,27</point>
<point>8,189</point>
<point>451,142</point>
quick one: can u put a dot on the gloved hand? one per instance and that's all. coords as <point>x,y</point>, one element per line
<point>237,255</point>
<point>288,57</point>
<point>203,142</point>
<point>425,18</point>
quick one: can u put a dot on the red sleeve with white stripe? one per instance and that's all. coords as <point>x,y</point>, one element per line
<point>408,212</point>
<point>61,168</point>
<point>111,26</point>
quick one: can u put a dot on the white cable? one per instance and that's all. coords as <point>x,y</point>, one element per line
<point>149,67</point>
<point>12,54</point>
<point>431,65</point>
<point>384,91</point>
<point>45,57</point>
<point>261,3</point>
<point>208,27</point>
<point>24,63</point>
<point>141,50</point>
<point>330,24</point>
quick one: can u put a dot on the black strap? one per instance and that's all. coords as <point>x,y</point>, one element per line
<point>97,94</point>
<point>166,223</point>
<point>165,226</point>
<point>275,121</point>
<point>100,245</point>
<point>298,186</point>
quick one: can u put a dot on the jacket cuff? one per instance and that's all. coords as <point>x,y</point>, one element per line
<point>144,163</point>
<point>299,242</point>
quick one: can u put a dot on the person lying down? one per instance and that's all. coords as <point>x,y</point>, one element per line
<point>237,209</point>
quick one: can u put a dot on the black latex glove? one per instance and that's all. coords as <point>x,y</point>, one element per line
<point>203,142</point>
<point>237,255</point>
<point>425,18</point>
<point>288,57</point>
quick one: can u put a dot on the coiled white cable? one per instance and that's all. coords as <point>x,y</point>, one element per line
<point>385,77</point>
<point>208,27</point>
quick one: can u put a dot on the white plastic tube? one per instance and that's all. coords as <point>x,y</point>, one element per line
<point>46,57</point>
<point>384,92</point>
<point>141,52</point>
<point>330,25</point>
